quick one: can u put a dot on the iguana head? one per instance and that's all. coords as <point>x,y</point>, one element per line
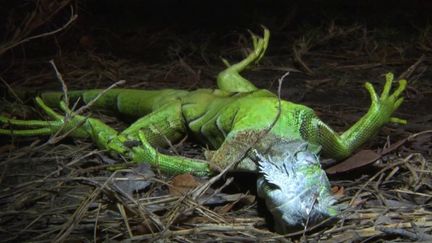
<point>294,186</point>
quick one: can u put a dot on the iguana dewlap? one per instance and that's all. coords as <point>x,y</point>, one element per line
<point>277,138</point>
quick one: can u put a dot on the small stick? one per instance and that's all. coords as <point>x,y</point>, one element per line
<point>70,21</point>
<point>411,68</point>
<point>88,105</point>
<point>60,78</point>
<point>11,90</point>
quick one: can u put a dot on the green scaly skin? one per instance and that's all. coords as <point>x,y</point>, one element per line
<point>231,119</point>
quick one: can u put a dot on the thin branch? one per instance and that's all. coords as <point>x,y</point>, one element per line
<point>11,90</point>
<point>60,78</point>
<point>70,21</point>
<point>89,104</point>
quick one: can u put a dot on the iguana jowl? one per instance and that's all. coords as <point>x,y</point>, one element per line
<point>276,138</point>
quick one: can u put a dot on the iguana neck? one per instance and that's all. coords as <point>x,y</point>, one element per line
<point>270,145</point>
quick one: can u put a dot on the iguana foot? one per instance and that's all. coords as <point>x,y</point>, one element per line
<point>260,45</point>
<point>167,163</point>
<point>230,79</point>
<point>39,127</point>
<point>380,112</point>
<point>74,125</point>
<point>387,103</point>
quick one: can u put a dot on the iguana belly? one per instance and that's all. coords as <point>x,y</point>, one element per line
<point>211,114</point>
<point>202,113</point>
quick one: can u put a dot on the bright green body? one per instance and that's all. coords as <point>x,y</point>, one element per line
<point>233,119</point>
<point>221,119</point>
<point>214,117</point>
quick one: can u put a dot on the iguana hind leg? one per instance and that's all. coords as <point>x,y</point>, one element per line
<point>39,127</point>
<point>166,123</point>
<point>74,125</point>
<point>230,79</point>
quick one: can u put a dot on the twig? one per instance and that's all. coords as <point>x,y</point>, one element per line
<point>125,219</point>
<point>96,222</point>
<point>79,213</point>
<point>70,21</point>
<point>279,91</point>
<point>388,167</point>
<point>89,104</point>
<point>54,139</point>
<point>417,236</point>
<point>60,78</point>
<point>411,68</point>
<point>11,90</point>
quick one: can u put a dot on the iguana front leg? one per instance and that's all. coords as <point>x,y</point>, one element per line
<point>166,122</point>
<point>379,113</point>
<point>156,128</point>
<point>230,79</point>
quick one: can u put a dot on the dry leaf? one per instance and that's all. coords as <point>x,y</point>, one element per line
<point>365,157</point>
<point>338,191</point>
<point>181,184</point>
<point>225,208</point>
<point>362,158</point>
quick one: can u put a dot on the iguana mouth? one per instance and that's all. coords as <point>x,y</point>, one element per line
<point>294,186</point>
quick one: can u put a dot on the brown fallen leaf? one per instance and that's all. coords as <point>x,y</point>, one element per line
<point>225,208</point>
<point>366,157</point>
<point>338,191</point>
<point>181,184</point>
<point>362,158</point>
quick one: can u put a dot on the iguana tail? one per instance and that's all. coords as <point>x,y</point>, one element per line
<point>130,103</point>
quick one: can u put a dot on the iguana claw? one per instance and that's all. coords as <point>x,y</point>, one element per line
<point>230,79</point>
<point>387,103</point>
<point>76,125</point>
<point>260,44</point>
<point>39,127</point>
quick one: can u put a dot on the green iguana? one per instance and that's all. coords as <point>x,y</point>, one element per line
<point>249,128</point>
